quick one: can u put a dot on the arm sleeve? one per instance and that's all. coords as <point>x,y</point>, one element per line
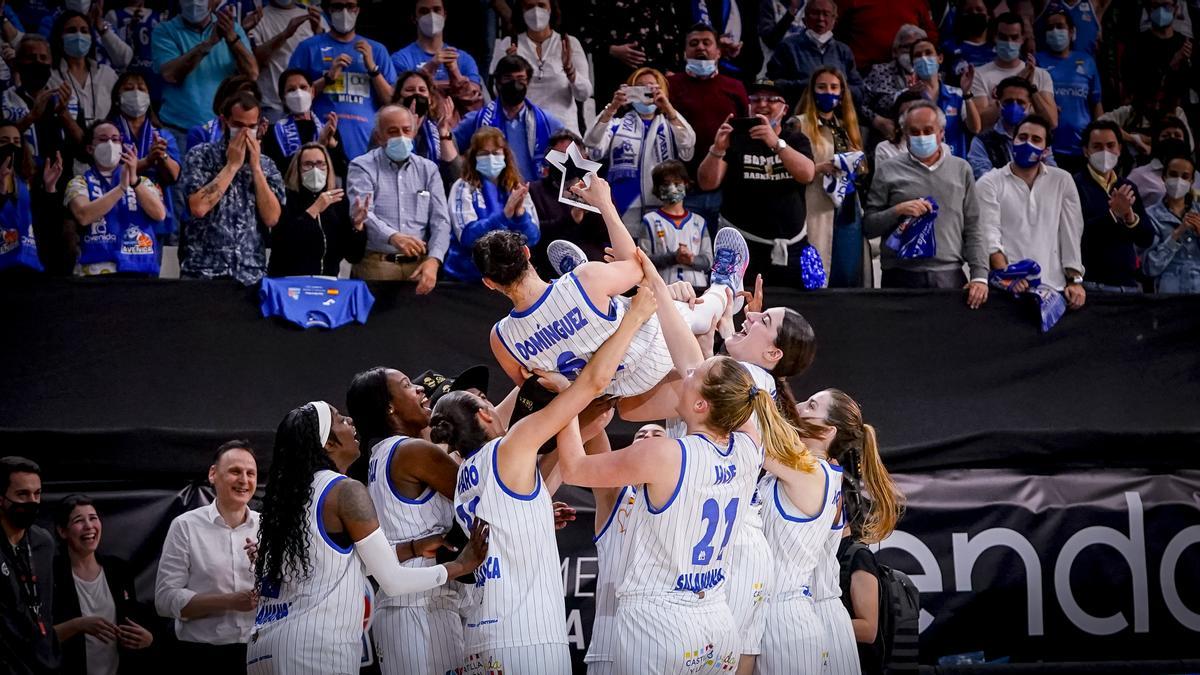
<point>466,66</point>
<point>989,214</point>
<point>1070,232</point>
<point>162,47</point>
<point>685,139</point>
<point>599,137</point>
<point>118,52</point>
<point>878,216</point>
<point>171,594</point>
<point>439,217</point>
<point>582,86</point>
<point>360,186</point>
<point>1160,255</point>
<point>974,237</point>
<point>379,558</point>
<point>978,158</point>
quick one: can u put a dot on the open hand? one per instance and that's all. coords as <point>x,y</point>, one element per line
<point>563,514</point>
<point>425,276</point>
<point>133,636</point>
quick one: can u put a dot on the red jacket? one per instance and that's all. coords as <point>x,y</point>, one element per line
<point>869,26</point>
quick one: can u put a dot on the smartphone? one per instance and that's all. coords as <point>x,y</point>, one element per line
<point>742,125</point>
<point>636,93</point>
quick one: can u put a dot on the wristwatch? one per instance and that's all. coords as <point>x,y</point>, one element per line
<point>779,145</point>
<point>373,73</point>
<point>1075,280</point>
<point>328,80</point>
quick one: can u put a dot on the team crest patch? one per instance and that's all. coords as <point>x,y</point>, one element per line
<point>136,242</point>
<point>759,595</point>
<point>11,239</point>
<point>293,293</point>
<point>477,664</point>
<point>697,660</point>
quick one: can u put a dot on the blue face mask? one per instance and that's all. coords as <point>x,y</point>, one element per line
<point>194,11</point>
<point>1162,17</point>
<point>490,166</point>
<point>644,108</point>
<point>827,102</point>
<point>1013,113</point>
<point>923,147</point>
<point>77,45</point>
<point>925,67</point>
<point>1008,51</point>
<point>701,67</point>
<point>1026,155</point>
<point>1058,39</point>
<point>399,148</point>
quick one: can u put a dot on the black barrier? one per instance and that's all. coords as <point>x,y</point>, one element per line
<point>1018,450</point>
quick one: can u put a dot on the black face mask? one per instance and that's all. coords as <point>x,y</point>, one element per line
<point>34,76</point>
<point>22,515</point>
<point>972,24</point>
<point>417,103</point>
<point>512,93</point>
<point>11,150</point>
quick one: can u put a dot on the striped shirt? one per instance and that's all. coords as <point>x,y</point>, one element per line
<point>611,559</point>
<point>799,542</point>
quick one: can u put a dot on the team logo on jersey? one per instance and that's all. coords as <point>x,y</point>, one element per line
<point>12,239</point>
<point>293,293</point>
<point>136,242</point>
<point>478,665</point>
<point>758,594</point>
<point>697,660</point>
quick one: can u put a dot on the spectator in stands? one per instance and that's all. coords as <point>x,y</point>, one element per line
<point>992,149</point>
<point>827,117</point>
<point>706,98</point>
<point>676,241</point>
<point>351,75</point>
<point>1115,224</point>
<point>866,26</point>
<point>320,227</point>
<point>624,35</point>
<point>733,21</point>
<point>957,104</point>
<point>489,196</point>
<point>194,52</point>
<point>416,91</point>
<point>1008,64</point>
<point>27,206</point>
<point>45,115</point>
<point>111,50</point>
<point>96,609</point>
<point>1162,53</point>
<point>232,192</point>
<point>28,643</point>
<point>561,221</point>
<point>1083,18</point>
<point>408,227</point>
<point>799,56</point>
<point>283,26</point>
<point>205,574</point>
<point>1172,140</point>
<point>777,19</point>
<point>158,156</point>
<point>971,45</point>
<point>298,125</point>
<point>1138,120</point>
<point>118,211</point>
<point>1031,211</point>
<point>526,127</point>
<point>212,131</point>
<point>1076,85</point>
<point>885,81</point>
<point>901,190</point>
<point>1174,259</point>
<point>763,171</point>
<point>897,144</point>
<point>646,134</point>
<point>75,63</point>
<point>449,67</point>
<point>562,80</point>
<point>134,24</point>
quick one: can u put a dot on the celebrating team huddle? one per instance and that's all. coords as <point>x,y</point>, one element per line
<point>717,533</point>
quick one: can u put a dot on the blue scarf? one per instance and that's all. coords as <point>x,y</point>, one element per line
<point>143,143</point>
<point>537,135</point>
<point>628,156</point>
<point>18,247</point>
<point>287,133</point>
<point>915,237</point>
<point>431,146</point>
<point>131,243</point>
<point>493,201</point>
<point>1050,303</point>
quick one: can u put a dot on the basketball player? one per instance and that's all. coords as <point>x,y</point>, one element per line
<point>411,482</point>
<point>614,509</point>
<point>672,615</point>
<point>318,530</point>
<point>649,431</point>
<point>518,622</point>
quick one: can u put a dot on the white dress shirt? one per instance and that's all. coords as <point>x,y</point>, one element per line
<point>1044,224</point>
<point>549,89</point>
<point>202,554</point>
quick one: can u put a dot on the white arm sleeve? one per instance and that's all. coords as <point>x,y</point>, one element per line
<point>380,558</point>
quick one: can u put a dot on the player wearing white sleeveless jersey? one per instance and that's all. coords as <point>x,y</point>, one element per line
<point>827,593</point>
<point>318,529</point>
<point>611,563</point>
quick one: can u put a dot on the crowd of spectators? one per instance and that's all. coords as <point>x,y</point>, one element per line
<point>282,137</point>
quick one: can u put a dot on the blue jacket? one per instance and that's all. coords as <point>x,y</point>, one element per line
<point>1174,264</point>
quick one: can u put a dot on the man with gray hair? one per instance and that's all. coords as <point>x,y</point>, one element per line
<point>885,81</point>
<point>929,181</point>
<point>408,224</point>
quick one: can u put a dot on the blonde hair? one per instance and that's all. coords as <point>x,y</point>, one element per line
<point>733,398</point>
<point>856,448</point>
<point>291,180</point>
<point>808,113</point>
<point>509,178</point>
<point>658,77</point>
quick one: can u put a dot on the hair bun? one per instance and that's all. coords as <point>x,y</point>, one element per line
<point>440,430</point>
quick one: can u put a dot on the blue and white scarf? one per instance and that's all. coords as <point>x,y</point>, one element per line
<point>287,134</point>
<point>841,184</point>
<point>125,235</point>
<point>915,236</point>
<point>537,135</point>
<point>629,153</point>
<point>431,148</point>
<point>1051,304</point>
<point>18,246</point>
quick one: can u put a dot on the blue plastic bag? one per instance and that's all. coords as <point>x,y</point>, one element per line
<point>1050,303</point>
<point>915,236</point>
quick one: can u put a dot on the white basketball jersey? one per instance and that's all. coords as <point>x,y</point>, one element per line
<point>611,563</point>
<point>827,578</point>
<point>404,519</point>
<point>678,547</point>
<point>518,595</point>
<point>662,235</point>
<point>322,613</point>
<point>563,329</point>
<point>798,541</point>
<point>677,428</point>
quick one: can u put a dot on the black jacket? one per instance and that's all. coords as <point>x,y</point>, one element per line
<point>1110,248</point>
<point>24,647</point>
<point>298,241</point>
<point>66,607</point>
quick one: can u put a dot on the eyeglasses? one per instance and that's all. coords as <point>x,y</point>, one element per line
<point>319,164</point>
<point>766,99</point>
<point>338,6</point>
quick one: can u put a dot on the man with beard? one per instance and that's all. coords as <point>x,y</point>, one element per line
<point>27,639</point>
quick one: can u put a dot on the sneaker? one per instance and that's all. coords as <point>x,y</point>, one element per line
<point>731,256</point>
<point>565,256</point>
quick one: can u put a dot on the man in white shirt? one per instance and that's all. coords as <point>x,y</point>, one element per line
<point>205,575</point>
<point>284,24</point>
<point>1008,63</point>
<point>1032,211</point>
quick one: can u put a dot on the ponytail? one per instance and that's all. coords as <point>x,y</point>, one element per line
<point>886,504</point>
<point>779,438</point>
<point>872,516</point>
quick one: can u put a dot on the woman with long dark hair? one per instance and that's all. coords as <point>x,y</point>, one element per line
<point>318,532</point>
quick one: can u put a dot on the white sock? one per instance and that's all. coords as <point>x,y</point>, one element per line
<point>700,318</point>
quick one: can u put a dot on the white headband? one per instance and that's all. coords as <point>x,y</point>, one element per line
<point>324,420</point>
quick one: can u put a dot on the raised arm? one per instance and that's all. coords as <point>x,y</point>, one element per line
<point>649,461</point>
<point>599,195</point>
<point>681,342</point>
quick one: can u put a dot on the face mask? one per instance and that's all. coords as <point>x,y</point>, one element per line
<point>537,19</point>
<point>1008,51</point>
<point>672,193</point>
<point>1162,17</point>
<point>22,514</point>
<point>1026,155</point>
<point>644,108</point>
<point>77,45</point>
<point>821,38</point>
<point>431,24</point>
<point>34,76</point>
<point>134,103</point>
<point>905,62</point>
<point>107,154</point>
<point>284,4</point>
<point>343,21</point>
<point>1058,39</point>
<point>926,67</point>
<point>827,102</point>
<point>490,166</point>
<point>194,11</point>
<point>973,24</point>
<point>418,103</point>
<point>923,147</point>
<point>701,67</point>
<point>512,93</point>
<point>10,150</point>
<point>1013,113</point>
<point>81,6</point>
<point>298,101</point>
<point>1177,187</point>
<point>399,148</point>
<point>314,180</point>
<point>1103,161</point>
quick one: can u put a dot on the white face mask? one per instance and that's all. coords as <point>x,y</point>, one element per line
<point>1103,161</point>
<point>431,24</point>
<point>81,6</point>
<point>135,102</point>
<point>107,154</point>
<point>1177,188</point>
<point>537,18</point>
<point>343,21</point>
<point>298,101</point>
<point>822,38</point>
<point>314,180</point>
